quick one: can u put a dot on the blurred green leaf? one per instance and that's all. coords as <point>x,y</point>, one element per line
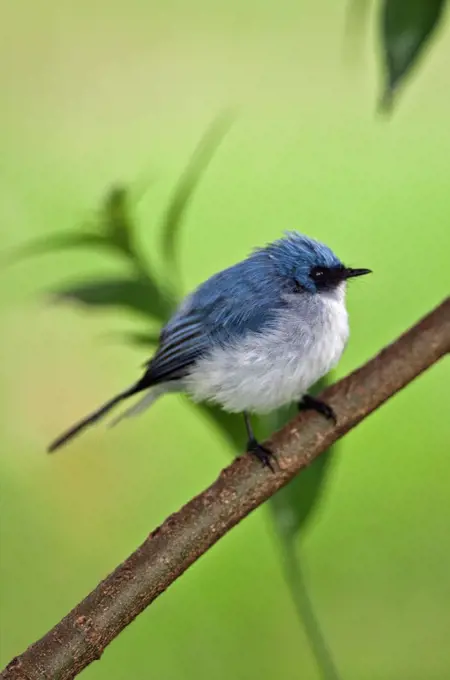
<point>406,29</point>
<point>186,186</point>
<point>299,587</point>
<point>116,222</point>
<point>291,508</point>
<point>61,241</point>
<point>139,295</point>
<point>294,504</point>
<point>111,228</point>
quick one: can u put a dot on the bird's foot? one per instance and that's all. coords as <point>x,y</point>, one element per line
<point>262,453</point>
<point>311,403</point>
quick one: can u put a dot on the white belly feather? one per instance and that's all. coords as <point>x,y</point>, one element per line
<point>264,371</point>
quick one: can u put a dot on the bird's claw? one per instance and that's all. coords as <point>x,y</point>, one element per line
<point>311,403</point>
<point>262,453</point>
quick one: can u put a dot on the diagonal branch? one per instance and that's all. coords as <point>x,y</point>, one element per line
<point>169,550</point>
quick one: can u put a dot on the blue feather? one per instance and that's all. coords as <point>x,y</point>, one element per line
<point>295,255</point>
<point>245,298</point>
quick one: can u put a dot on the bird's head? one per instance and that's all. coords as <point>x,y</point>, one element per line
<point>309,265</point>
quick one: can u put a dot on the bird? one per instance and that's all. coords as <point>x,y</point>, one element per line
<point>252,338</point>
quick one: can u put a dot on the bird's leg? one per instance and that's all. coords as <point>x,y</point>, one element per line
<point>311,403</point>
<point>262,453</point>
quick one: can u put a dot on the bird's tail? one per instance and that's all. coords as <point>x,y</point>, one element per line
<point>152,394</point>
<point>144,403</point>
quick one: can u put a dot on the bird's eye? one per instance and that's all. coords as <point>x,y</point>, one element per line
<point>317,273</point>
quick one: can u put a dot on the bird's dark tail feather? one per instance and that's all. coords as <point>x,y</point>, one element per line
<point>95,416</point>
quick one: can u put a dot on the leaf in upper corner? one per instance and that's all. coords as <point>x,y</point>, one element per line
<point>406,29</point>
<point>186,186</point>
<point>293,505</point>
<point>138,295</point>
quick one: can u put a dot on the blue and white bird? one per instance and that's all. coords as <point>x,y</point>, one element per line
<point>251,338</point>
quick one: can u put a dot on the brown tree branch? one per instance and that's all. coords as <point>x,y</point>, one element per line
<point>83,634</point>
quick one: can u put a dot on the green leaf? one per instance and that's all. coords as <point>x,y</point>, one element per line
<point>138,295</point>
<point>186,186</point>
<point>298,585</point>
<point>406,29</point>
<point>116,222</point>
<point>111,228</point>
<point>294,504</point>
<point>291,508</point>
<point>55,242</point>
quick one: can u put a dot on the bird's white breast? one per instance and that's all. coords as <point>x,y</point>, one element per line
<point>263,371</point>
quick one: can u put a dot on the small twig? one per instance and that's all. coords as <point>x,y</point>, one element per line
<point>83,634</point>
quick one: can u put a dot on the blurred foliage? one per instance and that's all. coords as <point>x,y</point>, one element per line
<point>406,30</point>
<point>128,293</point>
<point>184,191</point>
<point>292,508</point>
<point>294,505</point>
<point>297,583</point>
<point>111,228</point>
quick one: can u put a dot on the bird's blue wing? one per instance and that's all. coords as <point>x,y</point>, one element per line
<point>183,340</point>
<point>245,298</point>
<point>237,301</point>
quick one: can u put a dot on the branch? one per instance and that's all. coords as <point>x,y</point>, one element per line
<point>169,550</point>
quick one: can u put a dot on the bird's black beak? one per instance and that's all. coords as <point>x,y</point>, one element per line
<point>350,273</point>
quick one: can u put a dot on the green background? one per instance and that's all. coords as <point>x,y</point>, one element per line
<point>97,92</point>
